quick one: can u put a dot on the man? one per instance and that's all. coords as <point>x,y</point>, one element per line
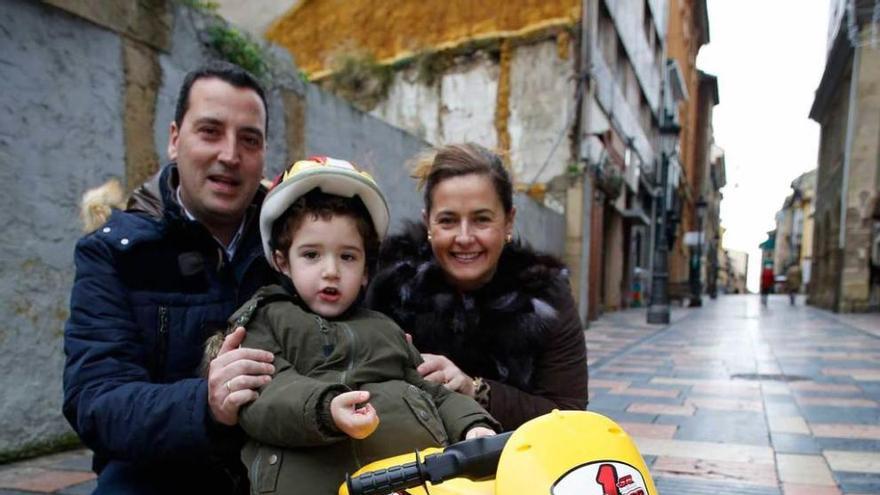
<point>154,282</point>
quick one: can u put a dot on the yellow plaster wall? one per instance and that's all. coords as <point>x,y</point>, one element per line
<point>682,45</point>
<point>315,30</point>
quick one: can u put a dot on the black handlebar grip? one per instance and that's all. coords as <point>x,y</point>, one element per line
<point>386,480</point>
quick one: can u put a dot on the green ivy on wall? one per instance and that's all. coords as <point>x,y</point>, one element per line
<point>237,47</point>
<point>229,43</point>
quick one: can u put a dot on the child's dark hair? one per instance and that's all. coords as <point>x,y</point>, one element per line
<point>317,204</point>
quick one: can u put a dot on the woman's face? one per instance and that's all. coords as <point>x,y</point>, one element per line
<point>468,227</point>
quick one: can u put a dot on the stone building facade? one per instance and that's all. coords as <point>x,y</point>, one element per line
<point>794,228</point>
<point>713,262</point>
<point>688,32</point>
<point>846,106</point>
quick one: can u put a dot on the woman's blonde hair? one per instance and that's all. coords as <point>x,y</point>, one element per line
<point>433,166</point>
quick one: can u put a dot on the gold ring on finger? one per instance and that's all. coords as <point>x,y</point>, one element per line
<point>227,386</point>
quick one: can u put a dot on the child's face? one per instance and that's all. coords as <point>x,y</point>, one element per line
<point>326,263</point>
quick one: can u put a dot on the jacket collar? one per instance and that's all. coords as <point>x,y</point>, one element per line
<point>156,197</point>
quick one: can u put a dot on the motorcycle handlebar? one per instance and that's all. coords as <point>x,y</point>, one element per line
<point>475,459</point>
<point>387,480</point>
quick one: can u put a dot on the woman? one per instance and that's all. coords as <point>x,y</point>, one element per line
<point>494,319</point>
<point>767,282</point>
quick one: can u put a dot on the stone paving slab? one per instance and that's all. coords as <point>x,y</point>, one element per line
<point>55,473</point>
<point>778,400</point>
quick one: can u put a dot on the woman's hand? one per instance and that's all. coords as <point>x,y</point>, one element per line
<point>439,369</point>
<point>479,431</point>
<point>356,422</point>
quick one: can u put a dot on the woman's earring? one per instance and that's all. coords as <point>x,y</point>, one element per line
<point>429,237</point>
<point>509,238</point>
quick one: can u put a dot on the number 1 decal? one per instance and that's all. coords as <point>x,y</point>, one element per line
<point>601,478</point>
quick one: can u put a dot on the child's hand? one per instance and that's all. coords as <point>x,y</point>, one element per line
<point>356,422</point>
<point>479,431</point>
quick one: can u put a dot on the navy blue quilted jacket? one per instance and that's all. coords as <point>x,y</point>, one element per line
<point>150,287</point>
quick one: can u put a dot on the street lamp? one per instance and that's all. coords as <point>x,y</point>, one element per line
<point>696,283</point>
<point>658,309</point>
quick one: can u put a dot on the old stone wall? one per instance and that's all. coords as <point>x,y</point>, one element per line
<point>60,133</point>
<point>319,30</point>
<point>463,104</point>
<point>88,94</point>
<point>862,187</point>
<point>841,273</point>
<point>825,279</point>
<point>336,128</point>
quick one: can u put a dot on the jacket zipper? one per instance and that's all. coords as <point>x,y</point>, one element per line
<point>327,348</point>
<point>326,345</point>
<point>351,349</point>
<point>162,343</point>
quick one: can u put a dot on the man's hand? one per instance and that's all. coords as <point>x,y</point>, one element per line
<point>234,375</point>
<point>439,369</point>
<point>356,422</point>
<point>479,431</point>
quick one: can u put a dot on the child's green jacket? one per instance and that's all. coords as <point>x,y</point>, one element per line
<point>294,446</point>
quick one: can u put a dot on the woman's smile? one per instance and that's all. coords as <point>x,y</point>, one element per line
<point>468,228</point>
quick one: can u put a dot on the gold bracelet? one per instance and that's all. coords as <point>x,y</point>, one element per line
<point>481,391</point>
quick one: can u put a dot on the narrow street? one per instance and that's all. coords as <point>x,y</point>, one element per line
<point>734,398</point>
<point>731,398</point>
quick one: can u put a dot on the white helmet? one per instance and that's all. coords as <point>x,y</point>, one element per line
<point>331,176</point>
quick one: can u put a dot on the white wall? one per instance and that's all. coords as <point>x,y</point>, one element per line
<point>542,97</point>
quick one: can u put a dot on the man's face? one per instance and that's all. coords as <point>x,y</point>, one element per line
<point>219,147</point>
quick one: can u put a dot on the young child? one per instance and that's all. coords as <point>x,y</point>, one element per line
<point>340,368</point>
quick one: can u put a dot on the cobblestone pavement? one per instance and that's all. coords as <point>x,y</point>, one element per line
<point>731,398</point>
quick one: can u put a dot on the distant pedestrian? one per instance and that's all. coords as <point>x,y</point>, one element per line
<point>793,281</point>
<point>767,281</point>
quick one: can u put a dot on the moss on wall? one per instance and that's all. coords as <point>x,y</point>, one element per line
<point>314,31</point>
<point>64,442</point>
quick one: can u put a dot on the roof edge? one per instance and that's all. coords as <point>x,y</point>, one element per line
<point>835,64</point>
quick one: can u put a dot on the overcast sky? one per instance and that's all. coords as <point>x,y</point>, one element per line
<point>769,56</point>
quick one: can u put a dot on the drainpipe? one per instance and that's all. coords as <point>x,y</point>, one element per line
<point>582,147</point>
<point>847,160</point>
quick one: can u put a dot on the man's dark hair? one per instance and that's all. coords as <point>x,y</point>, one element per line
<point>225,71</point>
<point>316,204</point>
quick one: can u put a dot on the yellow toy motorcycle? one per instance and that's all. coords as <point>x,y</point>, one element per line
<point>560,453</point>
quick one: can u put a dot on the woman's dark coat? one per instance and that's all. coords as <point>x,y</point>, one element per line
<point>520,332</point>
